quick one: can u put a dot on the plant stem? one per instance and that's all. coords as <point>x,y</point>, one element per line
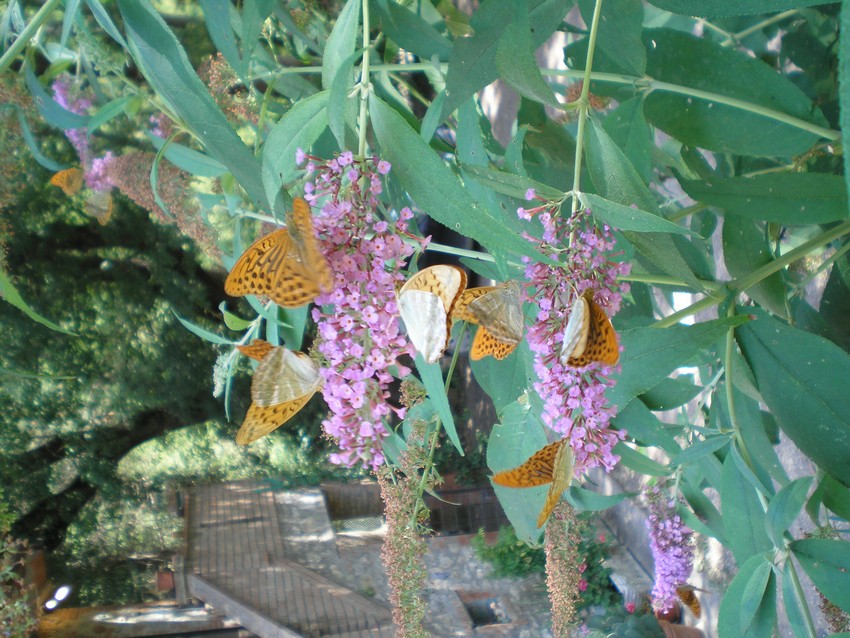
<point>758,26</point>
<point>801,599</point>
<point>26,35</point>
<point>584,104</point>
<point>365,83</point>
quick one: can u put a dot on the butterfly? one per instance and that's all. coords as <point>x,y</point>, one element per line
<point>425,303</point>
<point>100,206</point>
<point>283,383</point>
<point>497,310</point>
<point>589,335</point>
<point>286,265</point>
<point>69,180</point>
<point>552,464</point>
<point>687,595</point>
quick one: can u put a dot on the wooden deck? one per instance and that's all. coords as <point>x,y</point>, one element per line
<point>235,560</point>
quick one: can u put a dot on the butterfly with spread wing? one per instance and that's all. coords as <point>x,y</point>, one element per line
<point>497,311</point>
<point>285,265</point>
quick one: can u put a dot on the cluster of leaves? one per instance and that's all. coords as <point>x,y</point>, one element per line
<point>722,133</point>
<point>509,556</point>
<point>17,616</point>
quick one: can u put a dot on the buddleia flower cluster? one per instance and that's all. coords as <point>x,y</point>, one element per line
<point>672,550</point>
<point>574,398</point>
<point>358,328</point>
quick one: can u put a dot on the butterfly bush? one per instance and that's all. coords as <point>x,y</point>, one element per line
<point>672,551</point>
<point>358,327</point>
<point>574,399</point>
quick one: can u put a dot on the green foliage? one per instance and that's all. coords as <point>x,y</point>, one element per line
<point>617,622</point>
<point>509,556</point>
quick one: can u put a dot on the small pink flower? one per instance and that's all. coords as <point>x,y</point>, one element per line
<point>630,607</point>
<point>582,585</point>
<point>530,194</point>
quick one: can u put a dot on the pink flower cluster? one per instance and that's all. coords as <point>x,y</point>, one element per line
<point>94,168</point>
<point>574,399</point>
<point>670,541</point>
<point>358,327</point>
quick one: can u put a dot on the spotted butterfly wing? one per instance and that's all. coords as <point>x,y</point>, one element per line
<point>69,180</point>
<point>576,332</point>
<point>687,595</point>
<point>257,350</point>
<point>262,420</point>
<point>285,265</point>
<point>551,464</point>
<point>425,303</point>
<point>461,310</point>
<point>601,343</point>
<point>486,344</point>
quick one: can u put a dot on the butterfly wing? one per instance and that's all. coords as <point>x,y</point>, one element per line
<point>576,332</point>
<point>500,310</point>
<point>688,596</point>
<point>284,376</point>
<point>562,476</point>
<point>486,344</point>
<point>444,281</point>
<point>261,420</point>
<point>69,180</point>
<point>537,470</point>
<point>424,316</point>
<point>601,339</point>
<point>305,237</point>
<point>257,350</point>
<point>100,206</point>
<point>461,310</point>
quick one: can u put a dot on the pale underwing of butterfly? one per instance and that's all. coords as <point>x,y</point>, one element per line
<point>425,303</point>
<point>497,310</point>
<point>70,180</point>
<point>100,206</point>
<point>589,335</point>
<point>285,265</point>
<point>553,464</point>
<point>283,383</point>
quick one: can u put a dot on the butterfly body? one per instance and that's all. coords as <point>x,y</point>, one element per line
<point>497,310</point>
<point>285,265</point>
<point>552,464</point>
<point>283,383</point>
<point>425,303</point>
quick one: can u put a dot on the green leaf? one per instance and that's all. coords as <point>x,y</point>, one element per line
<point>721,8</point>
<point>217,21</point>
<point>645,428</point>
<point>745,250</point>
<point>203,333</point>
<point>742,514</point>
<point>792,606</point>
<point>844,82</point>
<point>629,218</point>
<point>49,108</point>
<point>784,508</point>
<point>586,500</point>
<point>9,293</point>
<point>106,113</point>
<point>342,110</point>
<point>435,189</point>
<point>698,449</point>
<point>32,144</point>
<point>803,380</point>
<point>512,441</point>
<point>102,17</point>
<point>341,41</point>
<point>411,31</point>
<point>754,595</point>
<point>827,562</point>
<point>651,354</point>
<point>732,605</point>
<point>787,198</point>
<point>836,497</point>
<point>618,35</point>
<point>188,159</point>
<point>254,14</point>
<point>670,393</point>
<point>472,64</point>
<point>510,184</point>
<point>504,381</point>
<point>293,325</point>
<point>692,63</point>
<point>234,322</point>
<point>300,127</point>
<point>515,59</point>
<point>432,378</point>
<point>617,180</point>
<point>638,462</point>
<point>627,126</point>
<point>162,60</point>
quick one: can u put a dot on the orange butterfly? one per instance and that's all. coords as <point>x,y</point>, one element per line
<point>283,383</point>
<point>286,265</point>
<point>589,335</point>
<point>552,464</point>
<point>497,310</point>
<point>687,594</point>
<point>425,303</point>
<point>69,180</point>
